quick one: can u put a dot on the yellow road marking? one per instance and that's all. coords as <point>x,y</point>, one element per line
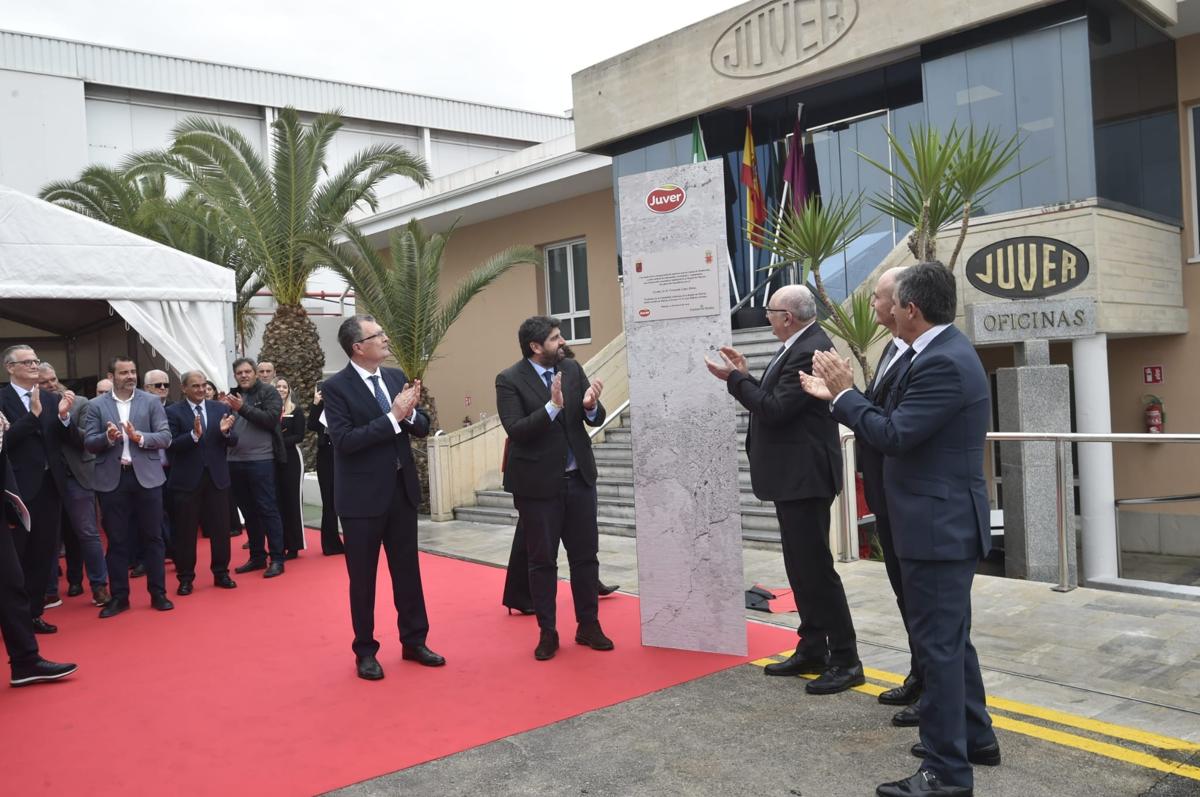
<point>1097,747</point>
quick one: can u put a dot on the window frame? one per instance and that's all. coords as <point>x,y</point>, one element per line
<point>568,245</point>
<point>1191,112</point>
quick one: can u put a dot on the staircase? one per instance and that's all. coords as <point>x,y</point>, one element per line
<point>614,463</point>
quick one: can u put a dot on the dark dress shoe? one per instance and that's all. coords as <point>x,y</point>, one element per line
<point>905,694</point>
<point>799,663</point>
<point>40,626</point>
<point>836,679</point>
<point>592,635</point>
<point>547,645</point>
<point>101,596</point>
<point>39,671</point>
<point>161,603</point>
<point>137,571</point>
<point>74,590</point>
<point>605,589</point>
<point>525,610</point>
<point>923,784</point>
<point>422,655</point>
<point>224,581</point>
<point>291,555</point>
<point>986,756</point>
<point>251,565</point>
<point>274,569</point>
<point>114,607</point>
<point>368,668</point>
<point>185,588</point>
<point>907,717</point>
<point>333,552</point>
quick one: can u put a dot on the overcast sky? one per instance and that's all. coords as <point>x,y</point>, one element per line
<point>519,54</point>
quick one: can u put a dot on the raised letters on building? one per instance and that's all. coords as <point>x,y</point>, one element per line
<point>1027,268</point>
<point>781,34</point>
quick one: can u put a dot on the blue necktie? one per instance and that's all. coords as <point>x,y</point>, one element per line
<point>571,463</point>
<point>203,420</point>
<point>380,399</point>
<point>549,377</point>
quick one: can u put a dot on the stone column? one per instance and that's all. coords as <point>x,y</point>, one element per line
<point>1093,415</point>
<point>685,467</point>
<point>1034,397</point>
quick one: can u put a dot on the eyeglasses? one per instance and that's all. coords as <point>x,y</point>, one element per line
<point>159,385</point>
<point>774,310</point>
<point>26,363</point>
<point>378,334</point>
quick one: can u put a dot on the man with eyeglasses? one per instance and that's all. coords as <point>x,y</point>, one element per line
<point>252,466</point>
<point>796,462</point>
<point>34,444</point>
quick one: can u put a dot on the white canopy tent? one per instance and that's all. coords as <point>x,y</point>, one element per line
<point>179,304</point>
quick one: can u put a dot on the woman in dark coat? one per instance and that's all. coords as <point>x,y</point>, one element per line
<point>289,477</point>
<point>331,542</point>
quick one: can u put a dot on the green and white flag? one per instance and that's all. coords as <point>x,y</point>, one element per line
<point>699,153</point>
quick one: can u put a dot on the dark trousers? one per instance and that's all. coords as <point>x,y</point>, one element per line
<point>37,548</point>
<point>569,516</point>
<point>208,506</point>
<point>254,491</point>
<point>516,579</point>
<point>396,531</point>
<point>287,488</point>
<point>891,563</point>
<point>16,622</point>
<point>954,715</point>
<point>73,553</point>
<point>130,512</point>
<point>825,624</point>
<point>331,542</point>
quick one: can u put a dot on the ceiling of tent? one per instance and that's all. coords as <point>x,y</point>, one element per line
<point>66,318</point>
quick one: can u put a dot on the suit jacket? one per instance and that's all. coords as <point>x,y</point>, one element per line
<point>188,457</point>
<point>315,425</point>
<point>869,458</point>
<point>792,441</point>
<point>366,447</point>
<point>933,443</point>
<point>81,463</point>
<point>147,415</point>
<point>34,442</point>
<point>537,450</point>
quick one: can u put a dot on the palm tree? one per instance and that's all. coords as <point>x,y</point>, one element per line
<point>402,293</point>
<point>939,179</point>
<point>820,230</point>
<point>277,208</point>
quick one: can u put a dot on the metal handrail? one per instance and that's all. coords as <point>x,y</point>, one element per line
<point>608,418</point>
<point>1061,441</point>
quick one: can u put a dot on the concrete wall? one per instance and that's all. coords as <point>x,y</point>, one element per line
<point>484,340</point>
<point>43,132</point>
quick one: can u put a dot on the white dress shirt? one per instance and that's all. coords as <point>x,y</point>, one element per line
<point>366,375</point>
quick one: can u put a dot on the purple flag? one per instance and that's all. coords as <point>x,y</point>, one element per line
<point>795,171</point>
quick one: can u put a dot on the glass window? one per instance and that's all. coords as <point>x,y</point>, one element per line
<point>567,289</point>
<point>1194,128</point>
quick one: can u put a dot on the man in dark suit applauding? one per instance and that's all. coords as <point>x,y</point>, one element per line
<point>796,462</point>
<point>544,400</point>
<point>932,434</point>
<point>201,433</point>
<point>370,413</point>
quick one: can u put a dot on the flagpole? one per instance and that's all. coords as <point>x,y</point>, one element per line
<point>700,155</point>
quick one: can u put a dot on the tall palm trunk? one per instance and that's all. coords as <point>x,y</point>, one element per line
<point>291,342</point>
<point>421,448</point>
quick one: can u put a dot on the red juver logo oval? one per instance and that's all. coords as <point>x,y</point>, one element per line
<point>665,199</point>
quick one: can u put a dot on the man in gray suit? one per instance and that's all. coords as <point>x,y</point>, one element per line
<point>79,503</point>
<point>126,430</point>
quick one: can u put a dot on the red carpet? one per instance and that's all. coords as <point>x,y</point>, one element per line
<point>253,691</point>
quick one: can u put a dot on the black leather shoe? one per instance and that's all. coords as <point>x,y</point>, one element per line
<point>422,655</point>
<point>923,784</point>
<point>368,668</point>
<point>907,717</point>
<point>40,626</point>
<point>797,664</point>
<point>137,571</point>
<point>525,610</point>
<point>289,555</point>
<point>547,645</point>
<point>39,671</point>
<point>224,581</point>
<point>986,756</point>
<point>836,679</point>
<point>274,569</point>
<point>592,635</point>
<point>251,565</point>
<point>74,590</point>
<point>907,693</point>
<point>605,589</point>
<point>161,603</point>
<point>185,588</point>
<point>114,607</point>
<point>334,552</point>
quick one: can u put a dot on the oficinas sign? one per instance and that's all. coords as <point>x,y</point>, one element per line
<point>1027,268</point>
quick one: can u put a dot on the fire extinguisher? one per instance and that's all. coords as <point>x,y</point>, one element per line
<point>1154,415</point>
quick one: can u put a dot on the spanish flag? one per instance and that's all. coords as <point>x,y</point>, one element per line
<point>756,206</point>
